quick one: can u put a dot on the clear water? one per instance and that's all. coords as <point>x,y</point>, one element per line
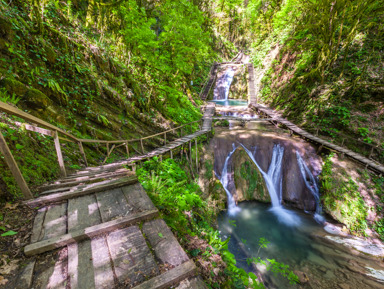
<point>325,265</point>
<point>231,102</point>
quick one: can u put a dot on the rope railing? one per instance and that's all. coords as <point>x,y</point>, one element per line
<point>54,132</point>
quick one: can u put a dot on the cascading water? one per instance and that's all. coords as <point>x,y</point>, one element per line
<point>273,180</point>
<point>232,208</point>
<point>311,184</point>
<point>223,84</point>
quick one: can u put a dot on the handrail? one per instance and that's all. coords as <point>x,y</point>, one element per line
<point>54,132</point>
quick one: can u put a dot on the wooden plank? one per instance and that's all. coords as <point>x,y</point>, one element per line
<point>9,159</point>
<point>80,265</point>
<point>131,257</point>
<point>113,204</point>
<point>83,212</point>
<point>51,272</point>
<point>138,198</point>
<point>85,180</point>
<point>83,234</point>
<point>38,225</point>
<point>55,222</point>
<point>84,190</point>
<point>102,264</point>
<point>171,277</point>
<point>59,155</point>
<point>162,240</point>
<point>26,277</point>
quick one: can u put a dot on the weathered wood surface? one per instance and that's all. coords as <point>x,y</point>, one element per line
<point>103,272</point>
<point>113,204</point>
<point>171,277</point>
<point>162,240</point>
<point>38,225</point>
<point>51,273</point>
<point>55,222</point>
<point>90,232</point>
<point>86,179</point>
<point>80,265</point>
<point>83,212</point>
<point>82,190</point>
<point>25,279</point>
<point>132,259</point>
<point>138,198</point>
<point>277,118</point>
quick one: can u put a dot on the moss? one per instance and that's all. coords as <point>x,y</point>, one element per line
<point>208,169</point>
<point>6,28</point>
<point>50,54</point>
<point>13,86</point>
<point>36,98</point>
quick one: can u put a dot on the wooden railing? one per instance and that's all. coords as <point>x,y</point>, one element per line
<point>58,134</point>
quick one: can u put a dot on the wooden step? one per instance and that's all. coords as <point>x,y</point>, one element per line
<point>171,277</point>
<point>81,191</point>
<point>83,234</point>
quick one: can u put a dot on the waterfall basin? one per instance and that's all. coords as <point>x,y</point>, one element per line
<point>318,263</point>
<point>231,102</point>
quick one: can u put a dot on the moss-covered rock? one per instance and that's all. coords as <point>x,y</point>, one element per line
<point>36,99</point>
<point>50,53</point>
<point>250,184</point>
<point>13,86</point>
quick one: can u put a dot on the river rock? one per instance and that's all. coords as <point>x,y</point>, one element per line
<point>344,286</point>
<point>303,278</point>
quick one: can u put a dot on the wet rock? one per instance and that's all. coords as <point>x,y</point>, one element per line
<point>303,278</point>
<point>344,286</point>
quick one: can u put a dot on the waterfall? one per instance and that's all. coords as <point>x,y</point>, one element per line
<point>223,84</point>
<point>311,184</point>
<point>273,180</point>
<point>232,208</point>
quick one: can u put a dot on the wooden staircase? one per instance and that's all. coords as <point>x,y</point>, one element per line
<point>101,230</point>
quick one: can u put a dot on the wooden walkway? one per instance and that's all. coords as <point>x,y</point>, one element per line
<point>276,118</point>
<point>97,228</point>
<point>210,82</point>
<point>108,236</point>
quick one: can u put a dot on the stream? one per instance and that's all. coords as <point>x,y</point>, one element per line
<point>298,233</point>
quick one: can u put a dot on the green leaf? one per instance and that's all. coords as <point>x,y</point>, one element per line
<point>3,228</point>
<point>19,147</point>
<point>160,235</point>
<point>9,233</point>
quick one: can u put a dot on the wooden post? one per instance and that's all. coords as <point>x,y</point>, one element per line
<point>197,161</point>
<point>171,154</point>
<point>165,138</point>
<point>127,148</point>
<point>4,149</point>
<point>370,155</point>
<point>190,151</point>
<point>342,142</point>
<point>142,147</point>
<point>63,173</point>
<point>181,132</point>
<point>161,158</point>
<point>83,153</point>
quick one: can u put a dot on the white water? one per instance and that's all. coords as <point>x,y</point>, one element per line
<point>311,184</point>
<point>232,208</point>
<point>273,180</point>
<point>223,84</point>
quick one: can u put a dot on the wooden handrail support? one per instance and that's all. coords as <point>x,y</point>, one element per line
<point>4,149</point>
